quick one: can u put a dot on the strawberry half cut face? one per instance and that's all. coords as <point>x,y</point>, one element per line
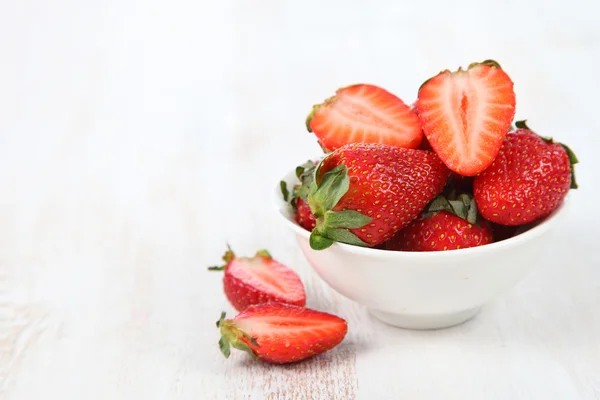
<point>466,114</point>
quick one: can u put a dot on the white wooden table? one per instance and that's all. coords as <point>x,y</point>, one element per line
<point>138,137</point>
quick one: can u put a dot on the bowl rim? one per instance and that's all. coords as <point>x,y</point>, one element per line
<point>279,203</point>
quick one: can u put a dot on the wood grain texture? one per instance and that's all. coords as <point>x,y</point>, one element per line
<point>137,138</point>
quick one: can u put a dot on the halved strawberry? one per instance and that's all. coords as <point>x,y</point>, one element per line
<point>259,279</point>
<point>466,114</point>
<point>364,114</point>
<point>281,333</point>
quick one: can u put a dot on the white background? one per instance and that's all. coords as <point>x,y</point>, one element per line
<point>137,137</point>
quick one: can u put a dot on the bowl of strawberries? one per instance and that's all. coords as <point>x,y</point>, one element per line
<point>424,214</point>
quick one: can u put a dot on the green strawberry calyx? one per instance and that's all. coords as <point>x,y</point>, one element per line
<point>489,63</point>
<point>572,157</point>
<point>311,115</point>
<point>230,255</point>
<point>231,336</point>
<point>333,226</point>
<point>304,173</point>
<point>463,206</point>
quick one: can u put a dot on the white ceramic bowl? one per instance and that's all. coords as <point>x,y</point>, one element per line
<point>421,290</point>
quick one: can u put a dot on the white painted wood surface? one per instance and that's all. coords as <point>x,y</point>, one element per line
<point>137,137</point>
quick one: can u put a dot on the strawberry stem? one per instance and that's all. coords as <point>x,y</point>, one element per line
<point>227,257</point>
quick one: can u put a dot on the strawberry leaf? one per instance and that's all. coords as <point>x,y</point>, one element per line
<point>305,174</point>
<point>440,203</point>
<point>284,190</point>
<point>522,124</point>
<point>345,219</point>
<point>231,336</point>
<point>319,242</point>
<point>327,194</point>
<point>344,236</point>
<point>224,346</point>
<point>227,257</point>
<point>489,63</point>
<point>263,253</point>
<point>573,160</point>
<point>223,314</point>
<point>240,345</point>
<point>572,157</point>
<point>301,168</point>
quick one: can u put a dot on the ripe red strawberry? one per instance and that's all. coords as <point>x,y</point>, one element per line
<point>304,216</point>
<point>280,333</point>
<point>364,114</point>
<point>466,114</point>
<point>365,193</point>
<point>259,279</point>
<point>302,212</point>
<point>446,225</point>
<point>528,180</point>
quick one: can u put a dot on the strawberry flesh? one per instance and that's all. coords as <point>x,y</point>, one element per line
<point>466,114</point>
<point>260,279</point>
<point>364,114</point>
<point>281,333</point>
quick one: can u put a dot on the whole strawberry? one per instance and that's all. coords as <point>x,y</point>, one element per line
<point>528,180</point>
<point>281,333</point>
<point>259,279</point>
<point>302,213</point>
<point>365,193</point>
<point>445,225</point>
<point>304,216</point>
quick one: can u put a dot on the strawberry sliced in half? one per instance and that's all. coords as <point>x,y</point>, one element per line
<point>466,114</point>
<point>281,333</point>
<point>364,114</point>
<point>259,279</point>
